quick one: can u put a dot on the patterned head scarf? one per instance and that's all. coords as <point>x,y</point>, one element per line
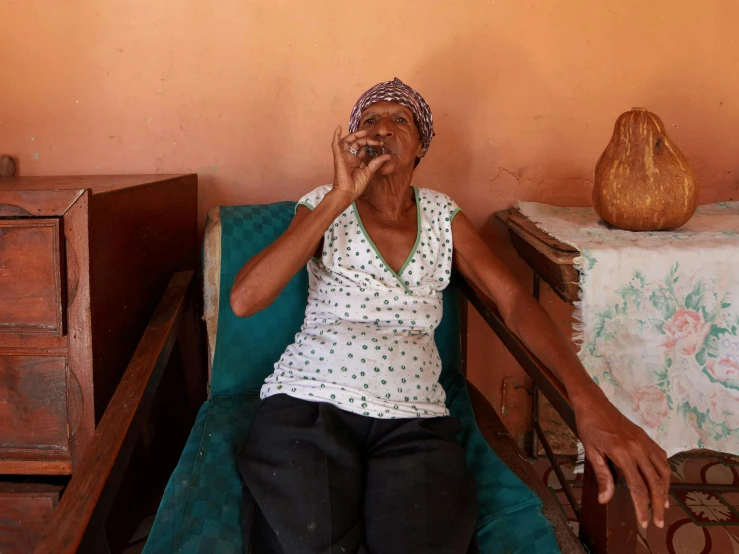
<point>399,92</point>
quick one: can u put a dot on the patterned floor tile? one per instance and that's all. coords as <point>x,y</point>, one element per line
<point>708,470</point>
<point>729,460</point>
<point>562,497</point>
<point>549,477</point>
<point>706,509</point>
<point>642,533</point>
<point>540,466</point>
<point>569,513</point>
<point>697,522</point>
<point>734,536</point>
<point>641,546</point>
<point>681,536</point>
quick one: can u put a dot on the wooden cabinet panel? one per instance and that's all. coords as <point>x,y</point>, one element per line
<point>83,263</point>
<point>31,275</point>
<point>25,509</point>
<point>33,408</point>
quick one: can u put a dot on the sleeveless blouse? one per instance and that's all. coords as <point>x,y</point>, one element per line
<point>367,342</point>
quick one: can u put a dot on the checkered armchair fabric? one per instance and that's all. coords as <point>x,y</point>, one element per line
<point>199,512</point>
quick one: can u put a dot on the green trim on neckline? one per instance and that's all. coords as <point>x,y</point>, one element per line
<point>413,250</point>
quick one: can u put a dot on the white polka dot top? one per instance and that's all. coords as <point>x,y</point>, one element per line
<point>367,343</point>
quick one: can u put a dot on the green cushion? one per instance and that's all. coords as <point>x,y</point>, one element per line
<point>200,509</point>
<point>199,512</point>
<point>509,516</point>
<point>247,348</point>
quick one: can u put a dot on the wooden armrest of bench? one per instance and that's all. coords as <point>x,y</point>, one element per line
<point>500,440</point>
<point>540,375</point>
<point>605,529</point>
<point>88,498</point>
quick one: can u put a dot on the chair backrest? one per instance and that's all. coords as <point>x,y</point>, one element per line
<point>242,351</point>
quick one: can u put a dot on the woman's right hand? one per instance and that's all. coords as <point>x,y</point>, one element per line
<point>351,174</point>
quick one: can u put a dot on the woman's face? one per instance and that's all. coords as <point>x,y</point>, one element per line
<point>393,124</point>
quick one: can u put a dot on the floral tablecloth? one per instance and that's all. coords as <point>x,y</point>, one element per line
<point>658,320</point>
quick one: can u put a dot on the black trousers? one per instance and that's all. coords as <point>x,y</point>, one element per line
<point>319,480</point>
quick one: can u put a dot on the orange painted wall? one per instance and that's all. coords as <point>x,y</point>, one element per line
<point>246,93</point>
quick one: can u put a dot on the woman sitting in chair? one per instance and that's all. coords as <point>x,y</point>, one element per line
<point>352,448</point>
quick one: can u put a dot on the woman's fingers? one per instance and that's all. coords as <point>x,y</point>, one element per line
<point>375,164</point>
<point>337,150</point>
<point>350,159</point>
<point>371,142</point>
<point>639,493</point>
<point>603,476</point>
<point>658,457</point>
<point>660,463</point>
<point>359,144</point>
<point>360,138</point>
<point>336,140</point>
<point>355,135</point>
<point>656,491</point>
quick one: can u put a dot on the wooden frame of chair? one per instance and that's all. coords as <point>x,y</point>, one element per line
<point>604,529</point>
<point>78,524</point>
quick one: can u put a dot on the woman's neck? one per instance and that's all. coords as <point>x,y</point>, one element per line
<point>391,195</point>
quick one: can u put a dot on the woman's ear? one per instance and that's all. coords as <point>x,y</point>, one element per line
<point>419,150</point>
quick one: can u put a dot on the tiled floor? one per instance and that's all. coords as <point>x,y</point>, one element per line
<point>696,523</point>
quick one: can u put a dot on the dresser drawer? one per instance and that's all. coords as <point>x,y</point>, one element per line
<point>25,509</point>
<point>31,276</point>
<point>34,422</point>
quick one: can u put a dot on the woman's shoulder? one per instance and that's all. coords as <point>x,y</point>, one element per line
<point>314,197</point>
<point>437,199</point>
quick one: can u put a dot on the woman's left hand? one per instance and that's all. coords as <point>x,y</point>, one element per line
<point>607,434</point>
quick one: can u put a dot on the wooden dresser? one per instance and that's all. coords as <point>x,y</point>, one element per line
<point>83,263</point>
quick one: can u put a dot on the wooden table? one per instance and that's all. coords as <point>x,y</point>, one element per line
<point>553,261</point>
<point>609,528</point>
<point>550,259</point>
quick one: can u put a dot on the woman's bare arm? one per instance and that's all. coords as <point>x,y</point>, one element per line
<point>604,431</point>
<point>264,276</point>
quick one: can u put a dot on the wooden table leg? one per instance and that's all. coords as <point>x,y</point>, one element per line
<point>610,528</point>
<point>534,389</point>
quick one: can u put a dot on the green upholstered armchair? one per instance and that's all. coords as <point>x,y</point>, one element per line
<point>200,510</point>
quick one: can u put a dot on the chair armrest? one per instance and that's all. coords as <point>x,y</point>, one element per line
<point>88,498</point>
<point>605,529</point>
<point>500,440</point>
<point>540,375</point>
